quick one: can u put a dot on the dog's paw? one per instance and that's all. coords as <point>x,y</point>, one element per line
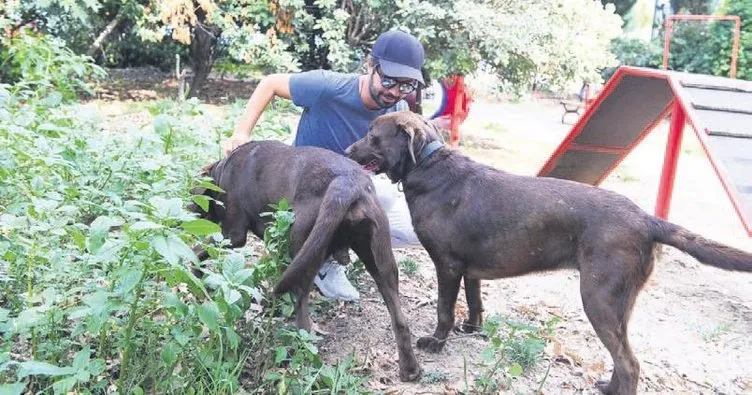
<point>410,373</point>
<point>431,344</point>
<point>605,387</point>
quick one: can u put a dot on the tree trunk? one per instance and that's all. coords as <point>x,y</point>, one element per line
<point>97,44</point>
<point>202,49</point>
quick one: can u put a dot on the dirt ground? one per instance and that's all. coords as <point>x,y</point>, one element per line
<point>692,325</point>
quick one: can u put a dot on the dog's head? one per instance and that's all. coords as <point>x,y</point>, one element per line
<point>215,212</point>
<point>394,144</point>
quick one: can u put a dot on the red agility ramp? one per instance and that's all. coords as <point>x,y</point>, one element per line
<point>634,101</point>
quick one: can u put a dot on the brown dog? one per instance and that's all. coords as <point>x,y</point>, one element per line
<point>477,222</point>
<point>335,208</point>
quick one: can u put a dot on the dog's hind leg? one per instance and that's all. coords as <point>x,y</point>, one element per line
<point>307,260</point>
<point>304,219</point>
<point>374,250</point>
<point>609,286</point>
<point>474,304</point>
<point>449,286</point>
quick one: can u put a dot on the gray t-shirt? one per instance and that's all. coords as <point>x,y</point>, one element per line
<point>334,115</point>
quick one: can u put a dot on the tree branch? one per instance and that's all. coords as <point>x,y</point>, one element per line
<point>97,44</point>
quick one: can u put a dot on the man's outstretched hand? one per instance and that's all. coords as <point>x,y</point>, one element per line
<point>235,141</point>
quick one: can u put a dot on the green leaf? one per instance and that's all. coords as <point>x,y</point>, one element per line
<point>167,208</point>
<point>311,348</point>
<point>172,249</point>
<point>162,124</point>
<point>210,186</point>
<point>173,301</point>
<point>201,227</point>
<point>96,366</point>
<point>81,358</point>
<point>144,225</point>
<point>208,313</point>
<point>128,280</point>
<point>515,370</point>
<point>38,368</point>
<point>241,275</point>
<point>202,201</point>
<point>12,389</point>
<point>233,338</point>
<point>65,385</point>
<point>280,355</point>
<point>231,296</point>
<point>170,353</point>
<point>78,238</point>
<point>104,223</point>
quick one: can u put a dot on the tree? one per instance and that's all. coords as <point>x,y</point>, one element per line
<point>722,40</point>
<point>518,39</point>
<point>245,30</point>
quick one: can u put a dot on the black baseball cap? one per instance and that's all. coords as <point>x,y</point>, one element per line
<point>399,54</point>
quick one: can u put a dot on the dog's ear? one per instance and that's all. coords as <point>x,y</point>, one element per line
<point>204,172</point>
<point>413,126</point>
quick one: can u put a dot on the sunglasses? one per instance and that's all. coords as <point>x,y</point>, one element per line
<point>405,87</point>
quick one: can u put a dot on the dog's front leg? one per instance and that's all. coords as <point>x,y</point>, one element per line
<point>475,304</point>
<point>449,286</point>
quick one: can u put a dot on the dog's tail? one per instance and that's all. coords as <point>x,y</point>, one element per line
<point>706,251</point>
<point>339,196</point>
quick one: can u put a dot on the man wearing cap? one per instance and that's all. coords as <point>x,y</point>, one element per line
<point>338,109</point>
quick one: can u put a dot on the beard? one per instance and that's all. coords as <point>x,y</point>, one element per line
<point>382,99</point>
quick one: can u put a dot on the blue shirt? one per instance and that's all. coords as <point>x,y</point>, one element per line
<point>334,115</point>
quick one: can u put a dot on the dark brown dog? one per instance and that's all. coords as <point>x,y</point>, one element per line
<point>477,222</point>
<point>335,208</point>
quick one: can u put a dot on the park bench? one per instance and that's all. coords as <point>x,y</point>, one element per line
<point>584,99</point>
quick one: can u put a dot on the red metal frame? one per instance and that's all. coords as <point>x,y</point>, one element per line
<point>737,35</point>
<point>457,112</point>
<point>681,114</point>
<point>670,160</point>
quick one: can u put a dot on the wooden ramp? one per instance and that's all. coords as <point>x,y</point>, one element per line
<point>634,101</point>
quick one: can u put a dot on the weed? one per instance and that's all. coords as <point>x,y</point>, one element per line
<point>409,266</point>
<point>434,376</point>
<point>718,331</point>
<point>515,348</point>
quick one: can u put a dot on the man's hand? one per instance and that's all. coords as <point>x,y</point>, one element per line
<point>233,142</point>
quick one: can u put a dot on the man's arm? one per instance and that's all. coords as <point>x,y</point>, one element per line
<point>270,86</point>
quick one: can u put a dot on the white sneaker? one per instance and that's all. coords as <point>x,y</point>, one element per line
<point>332,282</point>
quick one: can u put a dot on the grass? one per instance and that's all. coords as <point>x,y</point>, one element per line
<point>409,266</point>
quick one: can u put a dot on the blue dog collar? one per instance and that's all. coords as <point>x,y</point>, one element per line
<point>429,149</point>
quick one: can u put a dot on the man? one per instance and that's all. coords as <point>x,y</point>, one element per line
<point>338,109</point>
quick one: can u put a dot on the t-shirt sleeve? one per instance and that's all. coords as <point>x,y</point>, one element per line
<point>307,88</point>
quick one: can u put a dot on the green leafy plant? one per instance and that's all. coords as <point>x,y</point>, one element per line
<point>97,284</point>
<point>515,348</point>
<point>409,266</point>
<point>43,65</point>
